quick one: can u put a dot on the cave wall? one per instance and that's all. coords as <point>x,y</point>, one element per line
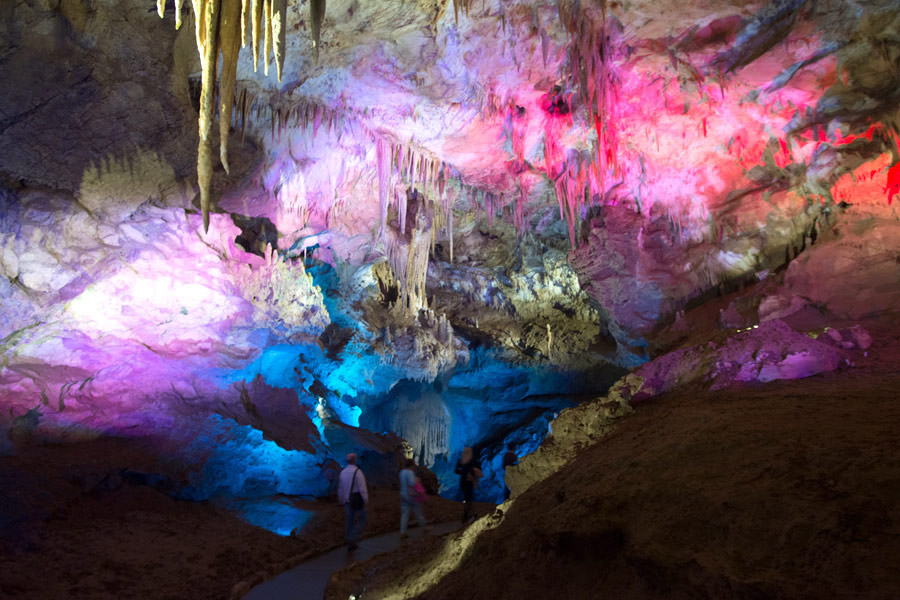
<point>93,87</point>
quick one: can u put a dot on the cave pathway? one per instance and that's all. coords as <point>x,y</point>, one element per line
<point>307,580</point>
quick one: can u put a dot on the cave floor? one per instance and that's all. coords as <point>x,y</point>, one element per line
<point>309,579</point>
<point>781,490</point>
<point>71,527</point>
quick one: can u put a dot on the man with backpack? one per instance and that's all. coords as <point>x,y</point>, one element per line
<point>353,494</point>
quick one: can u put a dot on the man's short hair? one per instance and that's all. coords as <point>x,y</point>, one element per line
<point>351,459</point>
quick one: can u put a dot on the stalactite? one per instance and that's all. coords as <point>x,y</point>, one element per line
<point>450,217</point>
<point>317,119</point>
<point>217,25</point>
<point>200,29</point>
<point>316,16</point>
<point>210,18</point>
<point>267,34</point>
<point>246,6</point>
<point>402,211</point>
<point>438,185</point>
<point>279,33</point>
<point>383,167</point>
<point>178,6</point>
<point>592,73</point>
<point>431,241</point>
<point>229,40</point>
<point>256,17</point>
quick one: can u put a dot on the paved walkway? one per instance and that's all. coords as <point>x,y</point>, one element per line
<point>307,580</point>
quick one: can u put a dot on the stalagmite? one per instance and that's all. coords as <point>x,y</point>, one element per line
<point>316,16</point>
<point>229,40</point>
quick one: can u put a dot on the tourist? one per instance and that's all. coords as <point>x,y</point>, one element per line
<point>509,459</point>
<point>469,473</point>
<point>353,494</point>
<point>412,496</point>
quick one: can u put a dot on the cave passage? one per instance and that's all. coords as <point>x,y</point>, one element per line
<point>243,240</point>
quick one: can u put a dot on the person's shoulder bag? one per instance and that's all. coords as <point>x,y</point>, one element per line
<point>356,499</point>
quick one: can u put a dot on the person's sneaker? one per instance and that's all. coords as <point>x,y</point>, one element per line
<point>403,536</point>
<point>428,529</point>
<point>352,547</point>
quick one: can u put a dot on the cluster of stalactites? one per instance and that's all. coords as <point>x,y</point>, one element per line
<point>161,9</point>
<point>271,17</point>
<point>224,26</point>
<point>592,73</point>
<point>398,166</point>
<point>284,113</point>
<point>460,4</point>
<point>401,167</point>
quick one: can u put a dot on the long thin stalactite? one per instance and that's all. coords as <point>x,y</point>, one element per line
<point>224,27</point>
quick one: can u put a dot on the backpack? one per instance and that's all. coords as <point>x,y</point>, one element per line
<point>356,499</point>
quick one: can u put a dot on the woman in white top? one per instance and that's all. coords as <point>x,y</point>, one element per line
<point>412,495</point>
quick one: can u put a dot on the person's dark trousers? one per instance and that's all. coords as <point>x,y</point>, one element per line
<point>356,523</point>
<point>468,491</point>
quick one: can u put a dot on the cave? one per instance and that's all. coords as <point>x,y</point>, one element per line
<point>649,250</point>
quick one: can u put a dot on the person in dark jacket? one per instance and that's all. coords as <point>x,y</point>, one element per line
<point>469,473</point>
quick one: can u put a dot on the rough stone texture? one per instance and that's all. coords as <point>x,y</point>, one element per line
<point>114,328</point>
<point>630,265</point>
<point>90,87</point>
<point>764,353</point>
<point>524,298</point>
<point>854,275</point>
